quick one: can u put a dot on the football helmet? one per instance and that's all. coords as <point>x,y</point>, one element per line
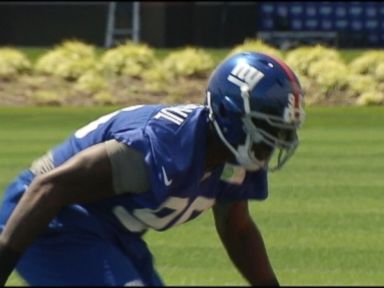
<point>255,103</point>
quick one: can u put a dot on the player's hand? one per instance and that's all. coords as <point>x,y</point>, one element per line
<point>8,260</point>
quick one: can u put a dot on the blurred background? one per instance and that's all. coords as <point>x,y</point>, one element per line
<point>63,64</point>
<point>347,24</point>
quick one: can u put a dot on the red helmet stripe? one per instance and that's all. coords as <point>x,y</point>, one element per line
<point>292,78</point>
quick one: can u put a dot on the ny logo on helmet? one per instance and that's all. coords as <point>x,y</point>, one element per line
<point>243,73</point>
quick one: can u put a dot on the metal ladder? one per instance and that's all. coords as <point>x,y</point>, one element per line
<point>130,32</point>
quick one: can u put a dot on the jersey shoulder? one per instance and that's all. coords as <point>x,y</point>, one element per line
<point>173,145</point>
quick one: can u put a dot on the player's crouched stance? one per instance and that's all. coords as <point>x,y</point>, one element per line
<point>77,216</point>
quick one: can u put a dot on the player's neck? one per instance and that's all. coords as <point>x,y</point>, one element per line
<point>217,153</point>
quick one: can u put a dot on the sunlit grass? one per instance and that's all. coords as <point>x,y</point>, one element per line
<point>323,220</point>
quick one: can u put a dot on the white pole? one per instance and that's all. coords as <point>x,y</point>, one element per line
<point>136,22</point>
<point>110,23</point>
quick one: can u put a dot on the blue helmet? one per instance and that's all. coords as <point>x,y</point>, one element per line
<point>255,105</point>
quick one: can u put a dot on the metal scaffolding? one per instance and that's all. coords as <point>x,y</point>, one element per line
<point>132,28</point>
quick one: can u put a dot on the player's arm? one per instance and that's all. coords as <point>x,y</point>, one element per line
<point>244,243</point>
<point>84,178</point>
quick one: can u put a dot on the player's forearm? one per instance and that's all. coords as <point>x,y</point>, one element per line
<point>35,210</point>
<point>247,251</point>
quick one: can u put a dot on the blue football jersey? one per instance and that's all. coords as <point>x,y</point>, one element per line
<point>172,140</point>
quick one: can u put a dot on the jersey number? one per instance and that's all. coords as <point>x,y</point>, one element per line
<point>142,218</point>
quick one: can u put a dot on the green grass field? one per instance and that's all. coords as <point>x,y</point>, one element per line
<point>323,223</point>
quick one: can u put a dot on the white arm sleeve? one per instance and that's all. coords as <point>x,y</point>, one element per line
<point>129,171</point>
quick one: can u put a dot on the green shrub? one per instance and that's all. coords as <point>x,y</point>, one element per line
<point>300,59</point>
<point>367,63</point>
<point>188,62</point>
<point>46,97</point>
<point>91,82</point>
<point>379,72</point>
<point>330,75</point>
<point>256,45</point>
<point>157,79</point>
<point>305,82</point>
<point>104,98</point>
<point>129,59</point>
<point>311,94</point>
<point>33,81</point>
<point>370,98</point>
<point>322,72</point>
<point>359,84</point>
<point>13,62</point>
<point>78,48</point>
<point>69,60</point>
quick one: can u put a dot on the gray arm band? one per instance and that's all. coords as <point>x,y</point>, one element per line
<point>129,171</point>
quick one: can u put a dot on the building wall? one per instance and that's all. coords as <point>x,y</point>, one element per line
<point>36,24</point>
<point>210,24</point>
<point>163,24</point>
<point>182,23</point>
<point>152,28</point>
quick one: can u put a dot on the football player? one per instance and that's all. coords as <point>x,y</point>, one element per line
<point>78,214</point>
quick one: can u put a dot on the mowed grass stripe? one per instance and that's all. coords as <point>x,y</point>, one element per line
<point>323,220</point>
<point>325,212</point>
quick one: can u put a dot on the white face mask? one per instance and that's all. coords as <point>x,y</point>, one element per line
<point>244,153</point>
<point>246,158</point>
<point>251,166</point>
